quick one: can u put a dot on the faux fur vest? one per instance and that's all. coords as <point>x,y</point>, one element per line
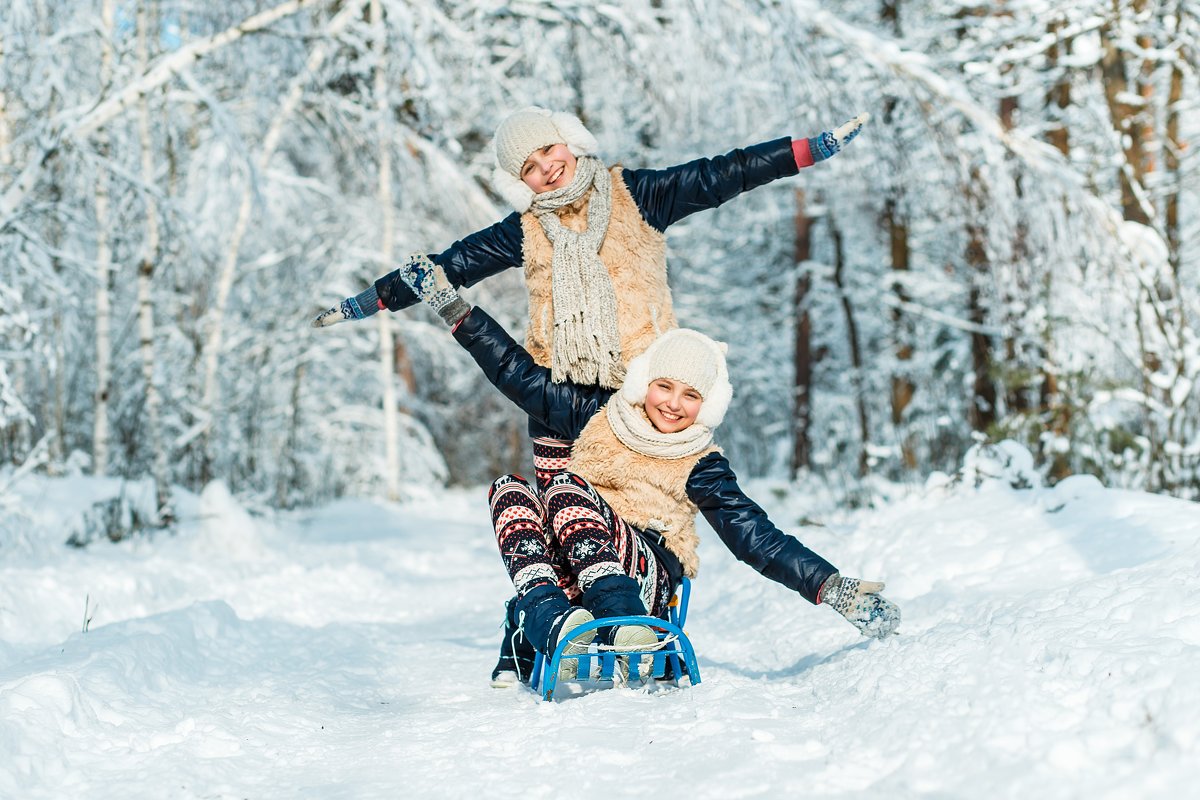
<point>636,257</point>
<point>648,493</point>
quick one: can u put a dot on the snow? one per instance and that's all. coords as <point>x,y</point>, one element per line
<point>1048,649</point>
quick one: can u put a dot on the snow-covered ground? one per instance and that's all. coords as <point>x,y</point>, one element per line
<point>1050,648</point>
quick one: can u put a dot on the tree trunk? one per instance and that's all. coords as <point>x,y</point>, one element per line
<point>57,424</point>
<point>1173,149</point>
<point>289,475</point>
<point>864,427</point>
<point>1055,409</point>
<point>57,447</point>
<point>803,355</point>
<point>150,254</point>
<point>1058,98</point>
<point>403,367</point>
<point>1144,122</point>
<point>982,412</point>
<point>889,14</point>
<point>6,158</point>
<point>1124,116</point>
<point>387,371</point>
<point>104,271</point>
<point>1009,103</point>
<point>903,389</point>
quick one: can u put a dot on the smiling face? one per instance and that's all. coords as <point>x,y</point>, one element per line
<point>548,168</point>
<point>671,405</point>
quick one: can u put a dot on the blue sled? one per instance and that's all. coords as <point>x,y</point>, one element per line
<point>678,651</point>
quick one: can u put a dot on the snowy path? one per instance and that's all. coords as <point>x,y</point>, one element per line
<point>1050,649</point>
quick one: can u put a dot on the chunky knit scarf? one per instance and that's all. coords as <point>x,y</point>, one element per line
<point>633,429</point>
<point>587,346</point>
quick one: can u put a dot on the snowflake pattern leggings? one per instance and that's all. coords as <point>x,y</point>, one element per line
<point>568,535</point>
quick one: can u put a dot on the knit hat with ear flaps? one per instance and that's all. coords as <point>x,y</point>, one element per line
<point>524,131</point>
<point>688,356</point>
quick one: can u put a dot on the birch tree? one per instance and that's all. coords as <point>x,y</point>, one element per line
<point>387,346</point>
<point>5,133</point>
<point>104,276</point>
<point>147,343</point>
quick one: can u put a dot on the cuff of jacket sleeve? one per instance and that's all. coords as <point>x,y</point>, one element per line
<point>802,152</point>
<point>470,326</point>
<point>394,294</point>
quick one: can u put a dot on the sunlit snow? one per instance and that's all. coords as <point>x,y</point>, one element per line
<point>1049,649</point>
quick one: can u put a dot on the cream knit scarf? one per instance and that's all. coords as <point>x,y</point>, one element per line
<point>633,429</point>
<point>587,346</point>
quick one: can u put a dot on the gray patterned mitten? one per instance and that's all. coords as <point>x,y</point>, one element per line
<point>829,143</point>
<point>429,282</point>
<point>859,602</point>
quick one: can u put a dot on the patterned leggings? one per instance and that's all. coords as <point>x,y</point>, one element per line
<point>567,534</point>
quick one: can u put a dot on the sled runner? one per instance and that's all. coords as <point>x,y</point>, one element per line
<point>673,658</point>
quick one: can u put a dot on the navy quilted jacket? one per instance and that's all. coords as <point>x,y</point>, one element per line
<point>565,408</point>
<point>664,196</point>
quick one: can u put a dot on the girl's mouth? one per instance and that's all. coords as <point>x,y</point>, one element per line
<point>669,417</point>
<point>557,174</point>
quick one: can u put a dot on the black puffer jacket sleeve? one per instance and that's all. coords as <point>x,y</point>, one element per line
<point>666,196</point>
<point>563,408</point>
<point>745,529</point>
<point>466,262</point>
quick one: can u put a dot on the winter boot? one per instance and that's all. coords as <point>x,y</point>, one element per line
<point>516,653</point>
<point>635,638</point>
<point>618,596</point>
<point>547,617</point>
<point>568,668</point>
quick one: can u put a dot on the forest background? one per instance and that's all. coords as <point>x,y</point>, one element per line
<point>1009,250</point>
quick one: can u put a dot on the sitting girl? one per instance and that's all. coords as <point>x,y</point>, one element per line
<point>615,528</point>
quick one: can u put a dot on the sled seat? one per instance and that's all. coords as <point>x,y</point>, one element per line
<point>598,666</point>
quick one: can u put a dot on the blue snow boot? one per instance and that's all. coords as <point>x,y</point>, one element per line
<point>547,617</point>
<point>516,653</point>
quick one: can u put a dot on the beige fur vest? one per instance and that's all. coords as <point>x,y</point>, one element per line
<point>636,257</point>
<point>648,493</point>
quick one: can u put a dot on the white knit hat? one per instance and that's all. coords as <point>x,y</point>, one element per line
<point>688,356</point>
<point>524,131</point>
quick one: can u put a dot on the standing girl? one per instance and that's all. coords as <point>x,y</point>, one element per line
<point>591,238</point>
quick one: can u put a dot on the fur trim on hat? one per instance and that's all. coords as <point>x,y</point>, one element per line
<point>712,407</point>
<point>712,410</point>
<point>514,190</point>
<point>578,139</point>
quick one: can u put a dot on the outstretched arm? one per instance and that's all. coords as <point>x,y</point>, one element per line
<point>668,195</point>
<point>564,408</point>
<point>751,536</point>
<point>465,263</point>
